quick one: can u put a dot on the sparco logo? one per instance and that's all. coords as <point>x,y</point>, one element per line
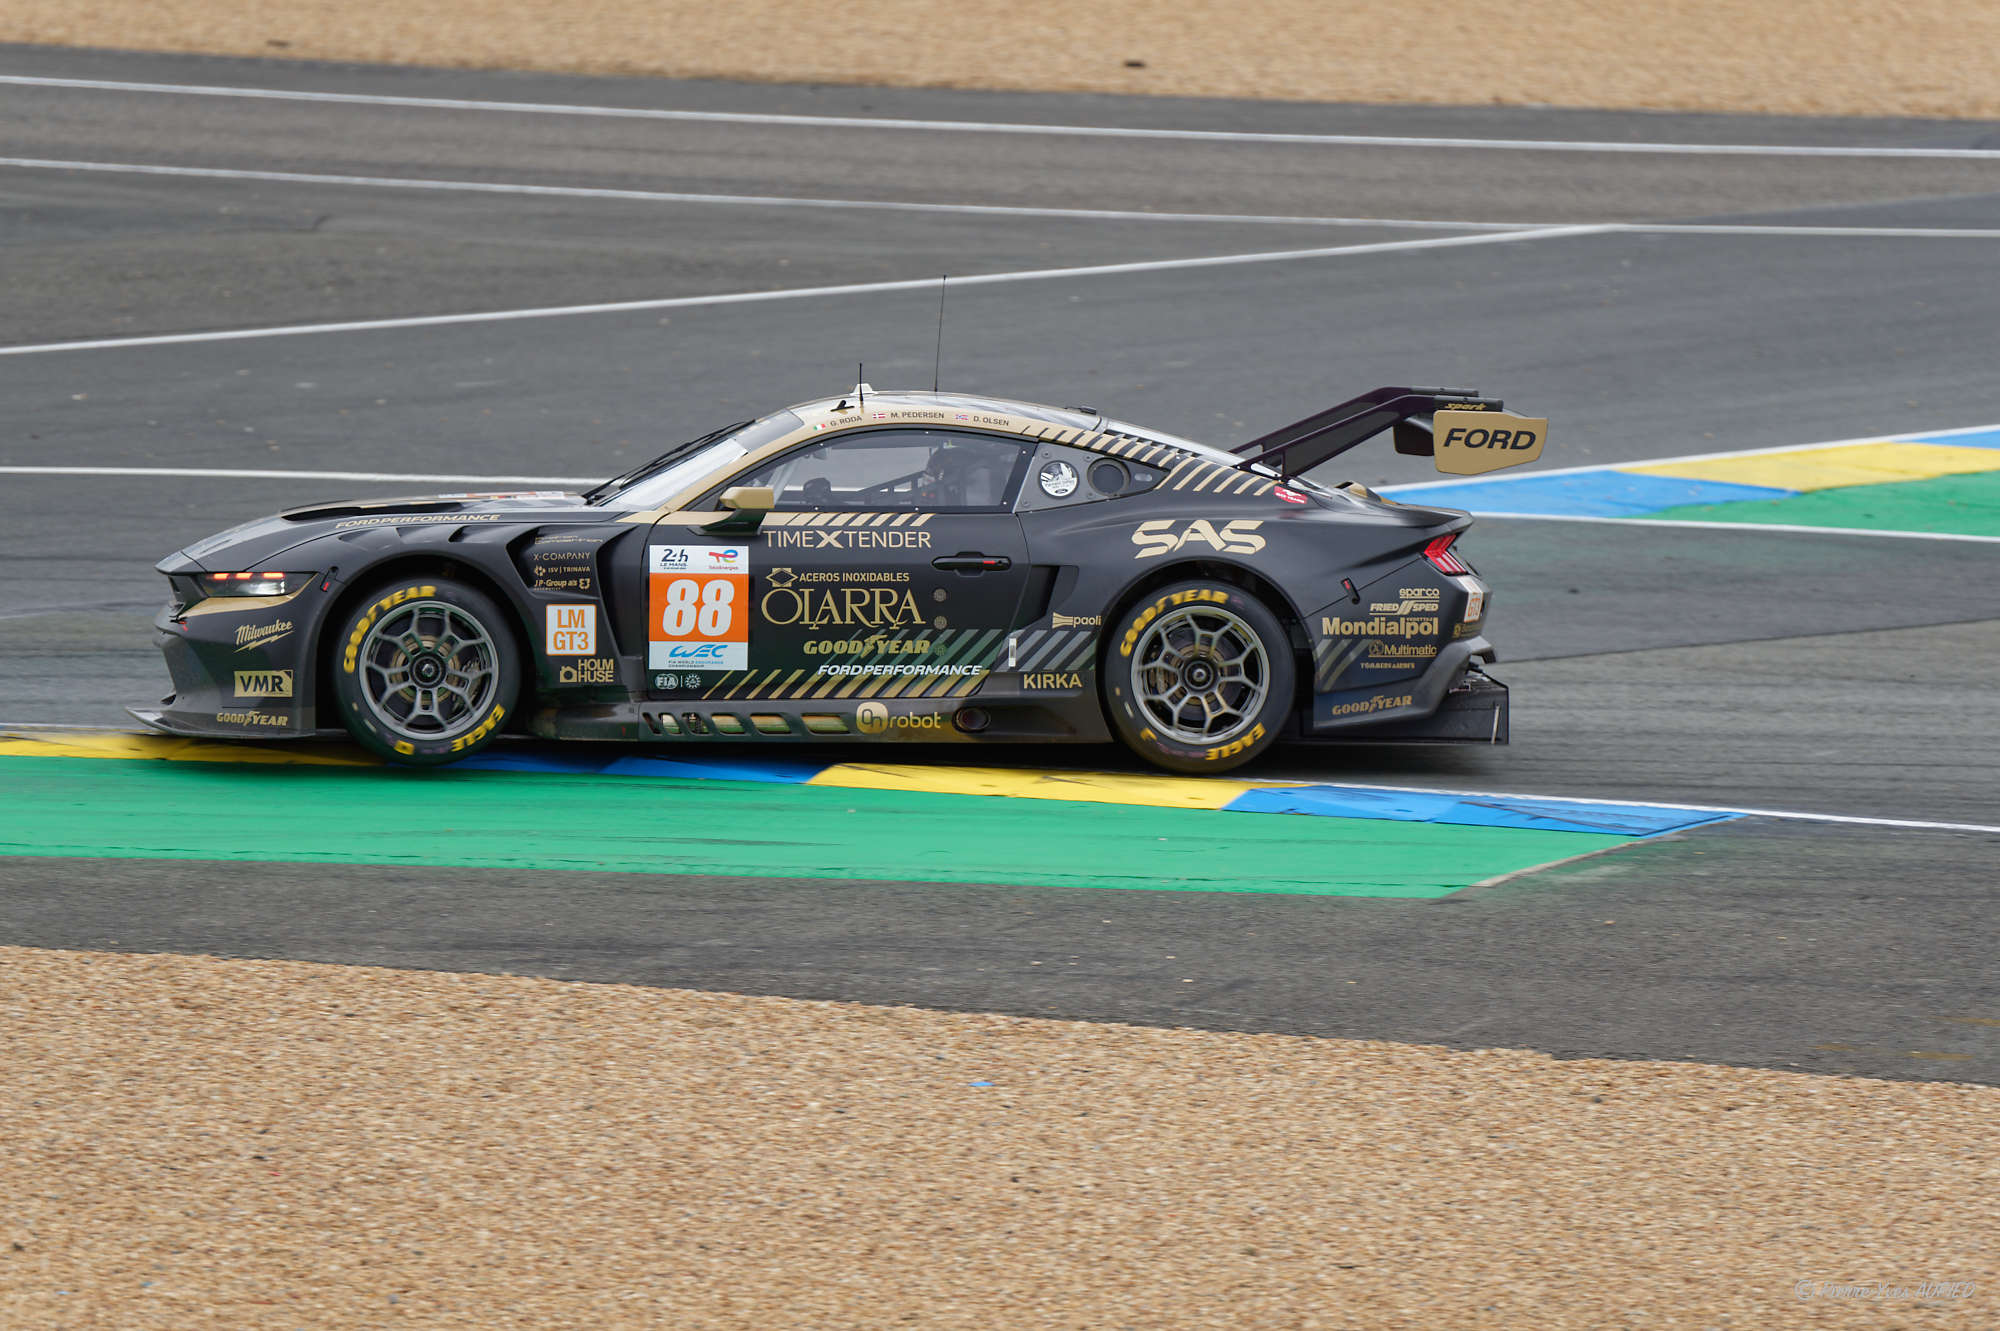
<point>263,683</point>
<point>1410,627</point>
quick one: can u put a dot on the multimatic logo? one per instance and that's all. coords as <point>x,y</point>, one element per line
<point>263,683</point>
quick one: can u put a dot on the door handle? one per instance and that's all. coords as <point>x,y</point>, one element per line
<point>966,561</point>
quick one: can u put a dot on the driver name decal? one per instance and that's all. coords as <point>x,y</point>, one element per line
<point>698,613</point>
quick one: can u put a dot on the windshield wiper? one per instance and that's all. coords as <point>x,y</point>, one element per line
<point>660,463</point>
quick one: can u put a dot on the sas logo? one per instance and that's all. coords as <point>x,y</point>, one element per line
<point>1159,537</point>
<point>263,683</point>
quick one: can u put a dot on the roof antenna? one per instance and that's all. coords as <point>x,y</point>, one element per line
<point>937,365</point>
<point>860,384</point>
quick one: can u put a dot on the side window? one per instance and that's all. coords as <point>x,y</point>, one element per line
<point>932,471</point>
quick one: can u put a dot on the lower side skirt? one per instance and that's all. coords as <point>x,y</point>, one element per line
<point>1473,712</point>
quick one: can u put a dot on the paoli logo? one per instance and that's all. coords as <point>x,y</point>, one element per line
<point>263,683</point>
<point>258,635</point>
<point>1075,621</point>
<point>1159,537</point>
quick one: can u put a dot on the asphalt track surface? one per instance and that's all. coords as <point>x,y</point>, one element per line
<point>1773,670</point>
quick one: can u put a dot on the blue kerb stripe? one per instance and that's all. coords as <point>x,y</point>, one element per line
<point>1594,494</point>
<point>1980,439</point>
<point>1318,801</point>
<point>1471,810</point>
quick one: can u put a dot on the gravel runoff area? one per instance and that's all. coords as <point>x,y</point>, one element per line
<point>194,1142</point>
<point>1915,57</point>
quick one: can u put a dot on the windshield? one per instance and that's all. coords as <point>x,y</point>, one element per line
<point>687,465</point>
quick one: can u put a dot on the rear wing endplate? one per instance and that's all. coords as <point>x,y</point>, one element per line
<point>1465,433</point>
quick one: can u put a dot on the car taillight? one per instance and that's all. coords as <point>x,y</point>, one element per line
<point>1441,557</point>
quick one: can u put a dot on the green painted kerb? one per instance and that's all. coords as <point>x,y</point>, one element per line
<point>1960,505</point>
<point>95,808</point>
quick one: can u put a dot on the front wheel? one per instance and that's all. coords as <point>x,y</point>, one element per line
<point>426,670</point>
<point>1198,677</point>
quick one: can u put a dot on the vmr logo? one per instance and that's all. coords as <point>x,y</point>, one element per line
<point>1159,537</point>
<point>263,683</point>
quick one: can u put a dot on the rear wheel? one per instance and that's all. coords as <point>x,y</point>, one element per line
<point>426,670</point>
<point>1198,677</point>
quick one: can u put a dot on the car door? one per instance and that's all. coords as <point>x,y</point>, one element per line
<point>889,570</point>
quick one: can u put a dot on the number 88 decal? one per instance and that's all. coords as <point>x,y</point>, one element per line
<point>707,609</point>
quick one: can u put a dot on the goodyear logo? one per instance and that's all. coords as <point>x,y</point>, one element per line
<point>263,683</point>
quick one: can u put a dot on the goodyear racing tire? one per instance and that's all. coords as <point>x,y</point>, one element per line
<point>1198,677</point>
<point>425,670</point>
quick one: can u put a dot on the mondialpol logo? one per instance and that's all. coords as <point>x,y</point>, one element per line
<point>263,683</point>
<point>871,718</point>
<point>258,635</point>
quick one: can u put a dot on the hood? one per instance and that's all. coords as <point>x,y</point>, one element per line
<point>261,540</point>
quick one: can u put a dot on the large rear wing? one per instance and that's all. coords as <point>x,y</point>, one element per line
<point>1465,433</point>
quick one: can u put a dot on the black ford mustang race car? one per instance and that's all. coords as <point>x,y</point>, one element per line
<point>889,567</point>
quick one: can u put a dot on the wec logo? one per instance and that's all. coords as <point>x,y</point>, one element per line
<point>1236,538</point>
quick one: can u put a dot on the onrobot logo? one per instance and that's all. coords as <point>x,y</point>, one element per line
<point>871,718</point>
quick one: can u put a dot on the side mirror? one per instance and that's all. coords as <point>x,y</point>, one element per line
<point>747,505</point>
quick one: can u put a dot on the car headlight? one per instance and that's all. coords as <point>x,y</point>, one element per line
<point>255,583</point>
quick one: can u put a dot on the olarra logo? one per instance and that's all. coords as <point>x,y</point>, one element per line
<point>845,607</point>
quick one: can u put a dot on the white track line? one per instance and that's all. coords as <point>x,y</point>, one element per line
<point>755,200</point>
<point>808,293</point>
<point>1736,526</point>
<point>232,474</point>
<point>1793,815</point>
<point>1005,127</point>
<point>972,209</point>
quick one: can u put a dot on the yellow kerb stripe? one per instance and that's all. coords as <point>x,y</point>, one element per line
<point>1167,792</point>
<point>1832,468</point>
